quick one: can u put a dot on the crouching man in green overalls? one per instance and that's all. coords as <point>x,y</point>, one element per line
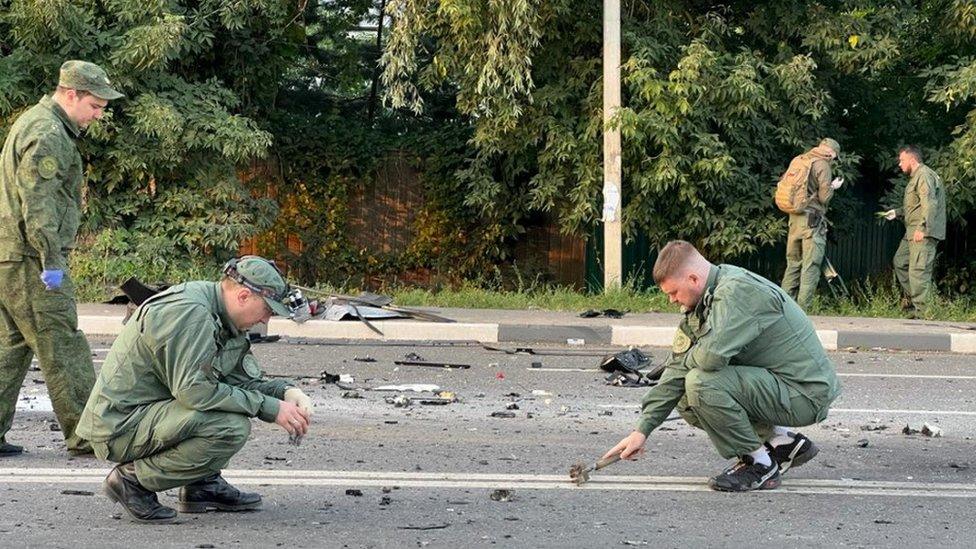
<point>745,365</point>
<point>175,397</point>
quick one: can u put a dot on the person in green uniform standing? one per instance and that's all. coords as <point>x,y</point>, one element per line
<point>806,240</point>
<point>40,210</point>
<point>924,212</point>
<point>745,364</point>
<point>175,397</point>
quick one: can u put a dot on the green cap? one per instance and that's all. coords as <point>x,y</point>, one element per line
<point>828,142</point>
<point>262,273</point>
<point>89,77</point>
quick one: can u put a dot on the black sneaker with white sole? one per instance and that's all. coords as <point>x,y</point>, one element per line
<point>794,454</point>
<point>745,476</point>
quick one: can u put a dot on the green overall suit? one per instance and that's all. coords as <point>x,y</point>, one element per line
<point>924,210</point>
<point>745,359</point>
<point>40,210</point>
<point>807,237</point>
<point>178,390</point>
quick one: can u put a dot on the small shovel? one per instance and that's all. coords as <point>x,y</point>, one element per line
<point>580,473</point>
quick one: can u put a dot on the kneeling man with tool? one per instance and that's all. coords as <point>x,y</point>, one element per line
<point>175,397</point>
<point>745,365</point>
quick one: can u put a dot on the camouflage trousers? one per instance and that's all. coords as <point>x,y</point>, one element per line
<point>914,263</point>
<point>739,405</point>
<point>804,259</point>
<point>37,321</point>
<point>173,445</point>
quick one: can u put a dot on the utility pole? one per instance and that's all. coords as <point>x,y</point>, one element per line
<point>612,235</point>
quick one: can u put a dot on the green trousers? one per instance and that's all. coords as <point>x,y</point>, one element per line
<point>739,405</point>
<point>174,445</point>
<point>914,263</point>
<point>37,321</point>
<point>804,257</point>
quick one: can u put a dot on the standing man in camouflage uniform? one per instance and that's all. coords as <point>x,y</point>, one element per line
<point>40,210</point>
<point>745,364</point>
<point>924,212</point>
<point>807,237</point>
<point>174,400</point>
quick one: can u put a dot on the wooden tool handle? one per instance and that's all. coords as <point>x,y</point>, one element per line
<point>606,461</point>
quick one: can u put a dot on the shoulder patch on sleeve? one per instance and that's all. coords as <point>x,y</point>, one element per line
<point>681,342</point>
<point>47,166</point>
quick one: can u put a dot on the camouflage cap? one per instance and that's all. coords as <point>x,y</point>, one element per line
<point>828,142</point>
<point>265,275</point>
<point>89,77</point>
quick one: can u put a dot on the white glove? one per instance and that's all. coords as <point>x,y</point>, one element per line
<point>836,183</point>
<point>890,215</point>
<point>300,399</point>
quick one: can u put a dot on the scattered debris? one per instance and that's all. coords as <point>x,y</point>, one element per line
<point>883,521</point>
<point>580,472</point>
<point>634,543</point>
<point>511,406</point>
<point>863,443</point>
<point>537,365</point>
<point>925,429</point>
<point>415,387</point>
<point>609,313</point>
<point>329,378</point>
<point>354,492</point>
<point>873,427</point>
<point>628,369</point>
<point>386,500</point>
<point>295,440</point>
<point>541,393</point>
<point>53,426</point>
<point>400,401</point>
<point>501,495</point>
<point>431,527</point>
<point>351,394</point>
<point>960,466</point>
<point>274,458</point>
<point>448,365</point>
<point>575,341</point>
<point>366,358</point>
<point>503,414</point>
<point>414,356</point>
<point>77,493</point>
<point>606,413</point>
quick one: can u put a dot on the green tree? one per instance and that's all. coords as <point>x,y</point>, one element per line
<point>163,165</point>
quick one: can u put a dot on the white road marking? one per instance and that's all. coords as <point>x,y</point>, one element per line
<point>466,480</point>
<point>840,374</point>
<point>844,410</point>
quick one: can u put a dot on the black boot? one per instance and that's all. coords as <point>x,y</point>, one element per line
<point>7,449</point>
<point>122,486</point>
<point>215,494</point>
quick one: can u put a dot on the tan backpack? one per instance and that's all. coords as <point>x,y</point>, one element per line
<point>791,191</point>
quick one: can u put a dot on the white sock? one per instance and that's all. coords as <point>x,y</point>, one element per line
<point>781,435</point>
<point>761,456</point>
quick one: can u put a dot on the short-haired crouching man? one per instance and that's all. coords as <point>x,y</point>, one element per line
<point>179,387</point>
<point>745,365</point>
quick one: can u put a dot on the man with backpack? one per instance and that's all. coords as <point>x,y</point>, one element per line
<point>803,192</point>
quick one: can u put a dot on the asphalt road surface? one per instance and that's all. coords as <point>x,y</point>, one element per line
<point>453,475</point>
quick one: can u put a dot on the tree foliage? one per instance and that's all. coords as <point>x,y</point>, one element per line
<point>717,98</point>
<point>162,166</point>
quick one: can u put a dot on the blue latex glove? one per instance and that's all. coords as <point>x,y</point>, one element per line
<point>52,279</point>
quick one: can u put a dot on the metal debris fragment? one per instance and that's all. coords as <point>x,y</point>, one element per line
<point>501,495</point>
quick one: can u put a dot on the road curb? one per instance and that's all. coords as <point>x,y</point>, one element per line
<point>641,336</point>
